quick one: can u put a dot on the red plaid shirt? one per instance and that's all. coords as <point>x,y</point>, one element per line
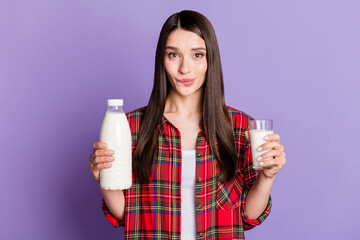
<point>153,211</point>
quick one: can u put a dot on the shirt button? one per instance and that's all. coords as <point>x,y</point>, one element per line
<point>201,234</point>
<point>199,207</point>
<point>199,179</point>
<point>199,154</point>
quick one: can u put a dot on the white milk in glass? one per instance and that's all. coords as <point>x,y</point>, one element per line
<point>115,131</point>
<point>257,139</point>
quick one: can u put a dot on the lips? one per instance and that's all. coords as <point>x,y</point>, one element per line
<point>186,81</point>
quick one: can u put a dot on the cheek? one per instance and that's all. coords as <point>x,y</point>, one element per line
<point>170,67</point>
<point>166,65</point>
<point>202,68</point>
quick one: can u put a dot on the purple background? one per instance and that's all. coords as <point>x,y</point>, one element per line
<point>297,62</point>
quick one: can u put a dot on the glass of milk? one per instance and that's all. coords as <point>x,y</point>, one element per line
<point>258,130</point>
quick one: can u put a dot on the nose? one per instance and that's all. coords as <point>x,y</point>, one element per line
<point>185,66</point>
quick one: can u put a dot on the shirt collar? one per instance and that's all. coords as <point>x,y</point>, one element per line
<point>165,122</point>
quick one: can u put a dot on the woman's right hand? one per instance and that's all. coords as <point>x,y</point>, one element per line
<point>100,158</point>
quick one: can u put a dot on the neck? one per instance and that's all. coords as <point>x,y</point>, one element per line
<point>176,103</point>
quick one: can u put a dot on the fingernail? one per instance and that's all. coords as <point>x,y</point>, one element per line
<point>261,163</point>
<point>104,145</point>
<point>111,152</point>
<point>259,149</point>
<point>112,158</point>
<point>109,164</point>
<point>259,158</point>
<point>266,137</point>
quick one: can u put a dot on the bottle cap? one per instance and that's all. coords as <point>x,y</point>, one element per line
<point>115,102</point>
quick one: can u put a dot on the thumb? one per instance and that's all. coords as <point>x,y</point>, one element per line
<point>247,135</point>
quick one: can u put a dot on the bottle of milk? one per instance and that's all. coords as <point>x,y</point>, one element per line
<point>115,132</point>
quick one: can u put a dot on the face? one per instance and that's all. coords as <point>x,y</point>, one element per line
<point>185,62</point>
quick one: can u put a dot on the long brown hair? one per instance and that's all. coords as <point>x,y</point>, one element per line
<point>216,119</point>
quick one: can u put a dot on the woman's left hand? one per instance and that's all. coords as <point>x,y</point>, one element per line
<point>274,160</point>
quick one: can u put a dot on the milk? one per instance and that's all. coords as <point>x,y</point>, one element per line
<point>116,133</point>
<point>257,139</point>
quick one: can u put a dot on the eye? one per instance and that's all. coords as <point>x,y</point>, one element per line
<point>173,55</point>
<point>198,55</point>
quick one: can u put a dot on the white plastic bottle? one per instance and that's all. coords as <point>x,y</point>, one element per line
<point>115,131</point>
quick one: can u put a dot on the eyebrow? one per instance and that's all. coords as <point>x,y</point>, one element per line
<point>193,49</point>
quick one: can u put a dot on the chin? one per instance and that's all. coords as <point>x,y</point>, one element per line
<point>188,92</point>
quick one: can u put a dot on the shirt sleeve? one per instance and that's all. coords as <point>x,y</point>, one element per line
<point>110,217</point>
<point>249,177</point>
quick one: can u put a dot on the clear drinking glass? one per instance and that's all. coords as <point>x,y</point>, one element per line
<point>258,130</point>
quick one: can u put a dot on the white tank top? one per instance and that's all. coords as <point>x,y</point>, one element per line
<point>188,219</point>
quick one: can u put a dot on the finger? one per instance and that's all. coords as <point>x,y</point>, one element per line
<point>99,145</point>
<point>92,159</point>
<point>271,162</point>
<point>100,153</point>
<point>104,159</point>
<point>273,137</point>
<point>283,159</point>
<point>91,165</point>
<point>278,162</point>
<point>247,136</point>
<point>270,145</point>
<point>100,166</point>
<point>281,163</point>
<point>270,154</point>
<point>282,148</point>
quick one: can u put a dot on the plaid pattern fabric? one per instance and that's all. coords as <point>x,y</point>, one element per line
<point>152,211</point>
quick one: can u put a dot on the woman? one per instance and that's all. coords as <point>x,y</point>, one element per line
<point>192,166</point>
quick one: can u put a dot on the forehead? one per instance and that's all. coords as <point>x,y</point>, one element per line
<point>184,39</point>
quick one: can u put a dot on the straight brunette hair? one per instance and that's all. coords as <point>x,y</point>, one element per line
<point>216,119</point>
